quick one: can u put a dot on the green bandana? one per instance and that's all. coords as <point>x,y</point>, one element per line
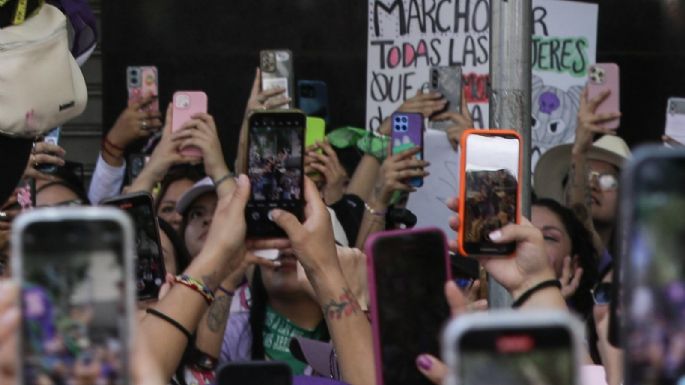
<point>278,331</point>
<point>366,141</point>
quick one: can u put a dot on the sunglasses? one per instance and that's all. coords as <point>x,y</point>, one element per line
<point>606,182</point>
<point>601,294</point>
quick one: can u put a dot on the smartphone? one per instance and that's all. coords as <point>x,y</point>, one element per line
<point>276,66</point>
<point>407,133</point>
<point>150,271</point>
<point>142,81</point>
<point>447,81</point>
<point>650,281</point>
<point>136,163</point>
<point>602,77</point>
<point>185,105</point>
<point>275,168</point>
<point>255,373</point>
<point>512,347</point>
<point>675,119</point>
<point>490,189</point>
<point>74,265</point>
<point>312,96</point>
<point>316,131</point>
<point>51,137</point>
<point>407,271</point>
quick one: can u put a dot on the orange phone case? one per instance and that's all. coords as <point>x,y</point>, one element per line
<point>185,105</point>
<point>462,180</point>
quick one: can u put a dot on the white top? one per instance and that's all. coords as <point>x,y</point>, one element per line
<point>106,182</point>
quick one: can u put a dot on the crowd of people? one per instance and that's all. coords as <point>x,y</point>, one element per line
<point>222,302</point>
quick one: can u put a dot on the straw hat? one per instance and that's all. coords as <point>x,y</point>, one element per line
<point>553,166</point>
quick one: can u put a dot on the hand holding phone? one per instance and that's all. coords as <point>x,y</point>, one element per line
<point>604,77</point>
<point>185,105</point>
<point>407,273</point>
<point>275,169</point>
<point>143,82</point>
<point>276,67</point>
<point>490,190</point>
<point>446,80</point>
<point>407,133</point>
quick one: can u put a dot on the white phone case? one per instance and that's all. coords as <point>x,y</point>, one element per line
<point>505,320</point>
<point>675,119</point>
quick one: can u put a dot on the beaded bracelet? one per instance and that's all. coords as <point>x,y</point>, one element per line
<point>197,286</point>
<point>377,213</point>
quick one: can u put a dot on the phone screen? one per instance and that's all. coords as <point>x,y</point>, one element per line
<point>150,271</point>
<point>653,311</point>
<point>255,373</point>
<point>275,169</point>
<point>74,306</point>
<point>409,271</point>
<point>521,356</point>
<point>491,191</point>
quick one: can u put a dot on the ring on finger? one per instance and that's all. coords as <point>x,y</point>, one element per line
<point>143,124</point>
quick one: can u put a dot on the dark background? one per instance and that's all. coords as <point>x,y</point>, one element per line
<point>213,46</point>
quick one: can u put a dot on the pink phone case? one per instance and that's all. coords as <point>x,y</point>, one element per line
<point>601,77</point>
<point>185,105</point>
<point>370,268</point>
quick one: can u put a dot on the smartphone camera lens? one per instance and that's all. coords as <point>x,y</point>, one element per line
<point>404,119</point>
<point>404,128</point>
<point>397,119</point>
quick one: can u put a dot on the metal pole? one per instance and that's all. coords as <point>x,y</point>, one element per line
<point>510,82</point>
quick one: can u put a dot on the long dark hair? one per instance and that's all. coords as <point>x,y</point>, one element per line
<point>582,246</point>
<point>180,172</point>
<point>180,251</point>
<point>259,298</point>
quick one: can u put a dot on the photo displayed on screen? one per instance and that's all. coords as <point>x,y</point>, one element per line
<point>275,164</point>
<point>536,367</point>
<point>73,321</point>
<point>491,185</point>
<point>655,304</point>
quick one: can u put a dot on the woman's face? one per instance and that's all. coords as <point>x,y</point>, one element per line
<point>557,239</point>
<point>167,204</point>
<point>604,203</point>
<point>54,195</point>
<point>283,280</point>
<point>200,215</point>
<point>169,254</point>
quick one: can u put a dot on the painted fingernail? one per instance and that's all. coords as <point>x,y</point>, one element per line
<point>424,362</point>
<point>270,215</point>
<point>496,235</point>
<point>277,263</point>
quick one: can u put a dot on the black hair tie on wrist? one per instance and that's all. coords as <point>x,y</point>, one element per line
<point>540,286</point>
<point>171,321</point>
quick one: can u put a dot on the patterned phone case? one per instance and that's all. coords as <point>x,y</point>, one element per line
<point>142,81</point>
<point>277,71</point>
<point>447,81</point>
<point>407,133</point>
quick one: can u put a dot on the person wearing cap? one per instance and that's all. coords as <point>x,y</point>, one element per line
<point>584,175</point>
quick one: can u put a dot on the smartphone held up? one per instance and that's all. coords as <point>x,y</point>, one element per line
<point>489,189</point>
<point>185,105</point>
<point>77,299</point>
<point>276,169</point>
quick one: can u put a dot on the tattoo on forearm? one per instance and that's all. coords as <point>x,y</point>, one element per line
<point>210,281</point>
<point>218,313</point>
<point>345,306</point>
